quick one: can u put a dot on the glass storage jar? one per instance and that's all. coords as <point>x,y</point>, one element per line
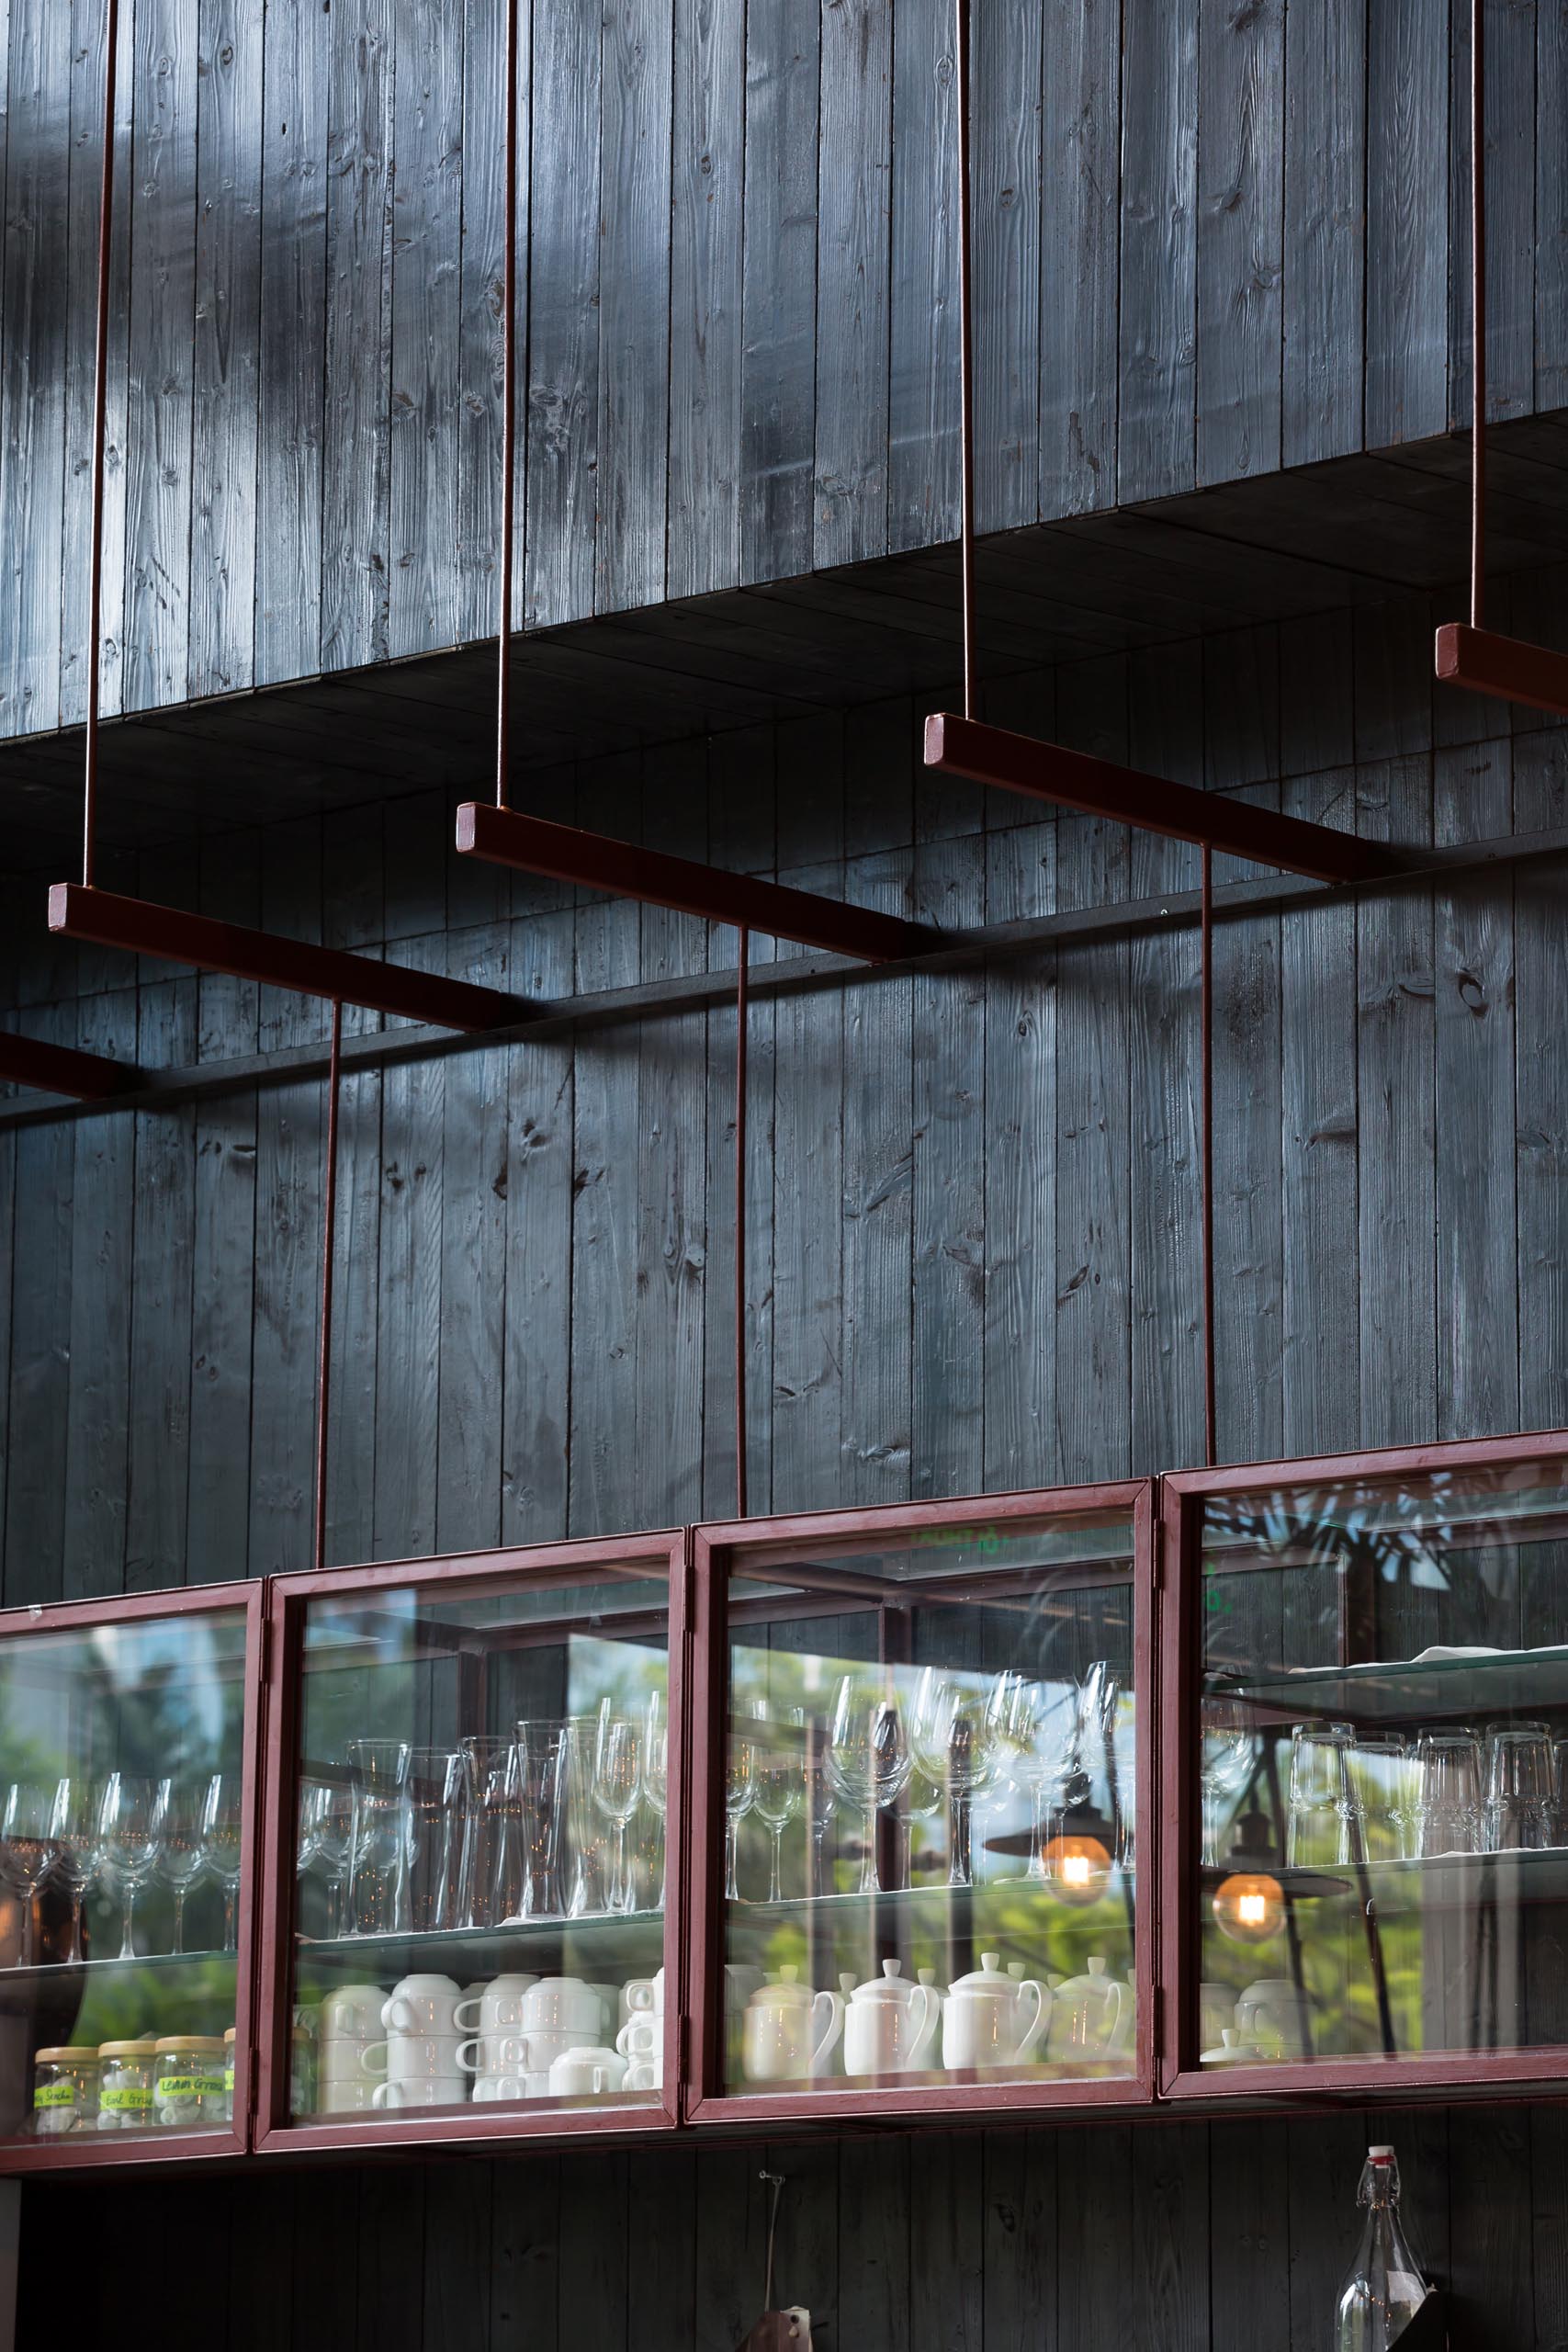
<point>125,2086</point>
<point>65,2090</point>
<point>187,2089</point>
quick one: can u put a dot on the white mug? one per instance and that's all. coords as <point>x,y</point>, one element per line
<point>610,2006</point>
<point>351,2013</point>
<point>640,2037</point>
<point>563,2005</point>
<point>643,1995</point>
<point>644,2076</point>
<point>494,2087</point>
<point>425,2090</point>
<point>345,2097</point>
<point>497,2007</point>
<point>342,2062</point>
<point>422,2005</point>
<point>586,2073</point>
<point>544,2048</point>
<point>537,2085</point>
<point>494,2053</point>
<point>407,2057</point>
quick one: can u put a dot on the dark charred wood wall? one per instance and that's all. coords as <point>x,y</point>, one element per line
<point>1210,241</point>
<point>974,1264</point>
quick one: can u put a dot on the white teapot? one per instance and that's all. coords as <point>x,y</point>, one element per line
<point>1275,2015</point>
<point>789,2032</point>
<point>890,2026</point>
<point>994,2020</point>
<point>1091,2016</point>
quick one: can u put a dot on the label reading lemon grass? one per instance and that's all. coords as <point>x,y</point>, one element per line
<point>191,2085</point>
<point>125,2102</point>
<point>56,2095</point>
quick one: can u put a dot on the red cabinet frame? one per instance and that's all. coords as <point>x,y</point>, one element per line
<point>542,1563</point>
<point>75,2151</point>
<point>717,1549</point>
<point>1183,1496</point>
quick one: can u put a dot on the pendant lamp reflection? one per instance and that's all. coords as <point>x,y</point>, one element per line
<point>1249,1902</point>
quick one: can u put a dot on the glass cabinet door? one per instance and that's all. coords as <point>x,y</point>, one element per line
<point>474,1774</point>
<point>127,1745</point>
<point>921,1786</point>
<point>1367,1691</point>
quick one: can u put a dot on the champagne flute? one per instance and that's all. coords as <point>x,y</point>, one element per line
<point>177,1829</point>
<point>869,1758</point>
<point>739,1790</point>
<point>656,1777</point>
<point>72,1824</point>
<point>778,1794</point>
<point>128,1843</point>
<point>222,1822</point>
<point>617,1784</point>
<point>29,1852</point>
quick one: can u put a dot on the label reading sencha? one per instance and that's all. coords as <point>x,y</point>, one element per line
<point>56,2095</point>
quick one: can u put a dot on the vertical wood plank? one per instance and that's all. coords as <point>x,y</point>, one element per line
<point>1324,229</point>
<point>1407,211</point>
<point>1155,453</point>
<point>1551,302</point>
<point>878,1154</point>
<point>946,2244</point>
<point>540,1190</point>
<point>634,303</point>
<point>356,441</point>
<point>41,1229</point>
<point>477,423</point>
<point>922,393</point>
<point>1007,69</point>
<point>874,2249</point>
<point>102,1199</point>
<point>779,290</point>
<point>563,314</point>
<point>292,341</point>
<point>1241,58</point>
<point>408,1319</point>
<point>474,1271</point>
<point>1022,2250</point>
<point>854,191</point>
<point>160,1303</point>
<point>456,2315</point>
<point>1512,119</point>
<point>156,649</point>
<point>707,182</point>
<point>1540,797</point>
<point>525,2268</point>
<point>1080,256</point>
<point>79,358</point>
<point>426,185</point>
<point>391,2252</point>
<point>224,455</point>
<point>1171,2235</point>
<point>1251,2225</point>
<point>948,1115</point>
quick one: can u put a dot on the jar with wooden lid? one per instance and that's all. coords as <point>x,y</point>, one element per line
<point>125,2086</point>
<point>187,2085</point>
<point>65,2090</point>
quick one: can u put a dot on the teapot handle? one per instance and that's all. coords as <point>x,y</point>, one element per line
<point>1121,2024</point>
<point>1038,2021</point>
<point>831,2007</point>
<point>925,2032</point>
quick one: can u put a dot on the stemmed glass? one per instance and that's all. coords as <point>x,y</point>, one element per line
<point>617,1784</point>
<point>72,1824</point>
<point>222,1820</point>
<point>656,1777</point>
<point>778,1790</point>
<point>176,1831</point>
<point>955,1745</point>
<point>740,1792</point>
<point>1033,1720</point>
<point>869,1760</point>
<point>30,1850</point>
<point>1230,1753</point>
<point>128,1843</point>
<point>326,1823</point>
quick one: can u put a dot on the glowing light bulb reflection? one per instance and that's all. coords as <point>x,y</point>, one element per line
<point>1077,1868</point>
<point>1249,1907</point>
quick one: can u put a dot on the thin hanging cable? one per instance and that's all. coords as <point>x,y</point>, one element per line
<point>1477,308</point>
<point>742,1025</point>
<point>508,423</point>
<point>966,362</point>
<point>1207,1019</point>
<point>101,428</point>
<point>329,1232</point>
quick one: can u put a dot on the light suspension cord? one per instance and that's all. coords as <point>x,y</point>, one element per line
<point>1477,308</point>
<point>966,362</point>
<point>508,422</point>
<point>742,1025</point>
<point>100,427</point>
<point>329,1233</point>
<point>1206,936</point>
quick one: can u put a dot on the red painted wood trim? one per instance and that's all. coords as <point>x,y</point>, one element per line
<point>1100,788</point>
<point>1504,666</point>
<point>143,928</point>
<point>533,845</point>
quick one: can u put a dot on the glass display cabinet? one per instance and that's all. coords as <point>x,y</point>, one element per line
<point>1365,1737</point>
<point>919,1786</point>
<point>128,1734</point>
<point>470,1904</point>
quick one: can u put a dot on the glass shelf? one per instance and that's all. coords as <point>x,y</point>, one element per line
<point>1399,1692</point>
<point>543,1946</point>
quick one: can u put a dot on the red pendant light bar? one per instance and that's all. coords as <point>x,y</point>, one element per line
<point>142,928</point>
<point>1100,788</point>
<point>536,845</point>
<point>1505,667</point>
<point>62,1069</point>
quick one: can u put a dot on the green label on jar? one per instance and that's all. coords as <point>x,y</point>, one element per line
<point>125,2102</point>
<point>228,2078</point>
<point>56,2095</point>
<point>190,2087</point>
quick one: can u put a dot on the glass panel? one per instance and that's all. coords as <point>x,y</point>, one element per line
<point>1385,1731</point>
<point>121,1761</point>
<point>930,1797</point>
<point>479,1910</point>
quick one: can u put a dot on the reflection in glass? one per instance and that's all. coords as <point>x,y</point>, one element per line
<point>73,1830</point>
<point>221,1830</point>
<point>178,1812</point>
<point>778,1788</point>
<point>30,1850</point>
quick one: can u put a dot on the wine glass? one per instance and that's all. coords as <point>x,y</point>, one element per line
<point>739,1789</point>
<point>177,1829</point>
<point>1032,1722</point>
<point>73,1826</point>
<point>778,1790</point>
<point>656,1777</point>
<point>30,1850</point>
<point>869,1760</point>
<point>128,1843</point>
<point>955,1745</point>
<point>617,1784</point>
<point>222,1823</point>
<point>1230,1752</point>
<point>326,1825</point>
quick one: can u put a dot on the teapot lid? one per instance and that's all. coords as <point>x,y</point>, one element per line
<point>782,1991</point>
<point>891,1985</point>
<point>989,1977</point>
<point>1096,1980</point>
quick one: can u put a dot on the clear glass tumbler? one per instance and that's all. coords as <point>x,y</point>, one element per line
<point>1521,1789</point>
<point>377,1864</point>
<point>492,1831</point>
<point>543,1763</point>
<point>1323,1812</point>
<point>1447,1794</point>
<point>434,1834</point>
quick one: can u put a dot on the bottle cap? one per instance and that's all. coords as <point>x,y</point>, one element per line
<point>1382,2149</point>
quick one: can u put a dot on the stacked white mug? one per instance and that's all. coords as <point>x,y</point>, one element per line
<point>418,2056</point>
<point>640,2041</point>
<point>350,2023</point>
<point>497,2053</point>
<point>560,2014</point>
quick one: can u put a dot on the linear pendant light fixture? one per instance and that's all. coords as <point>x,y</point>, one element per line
<point>1469,653</point>
<point>140,926</point>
